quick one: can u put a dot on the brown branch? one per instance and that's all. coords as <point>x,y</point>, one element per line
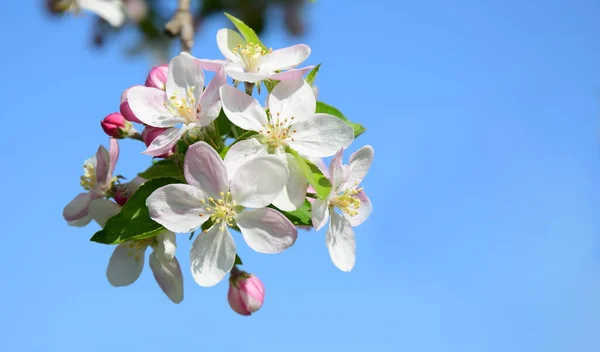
<point>181,24</point>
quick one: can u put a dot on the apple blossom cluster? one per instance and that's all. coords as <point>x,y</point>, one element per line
<point>225,164</point>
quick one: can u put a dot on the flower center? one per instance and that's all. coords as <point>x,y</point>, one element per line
<point>250,55</point>
<point>277,132</point>
<point>88,180</point>
<point>183,106</point>
<point>136,248</point>
<point>221,211</point>
<point>347,201</point>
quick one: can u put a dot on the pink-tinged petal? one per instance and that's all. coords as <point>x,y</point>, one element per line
<point>243,110</point>
<point>360,162</point>
<point>165,141</point>
<point>365,209</point>
<point>209,114</point>
<point>167,274</point>
<point>341,243</point>
<point>80,222</point>
<point>227,40</point>
<point>291,74</point>
<point>126,263</point>
<point>293,98</point>
<point>113,151</point>
<point>184,72</point>
<point>177,207</point>
<point>285,58</point>
<point>148,105</point>
<point>211,93</point>
<point>338,171</point>
<point>294,191</point>
<point>203,168</point>
<point>321,136</point>
<point>257,182</point>
<point>241,152</point>
<point>266,230</point>
<point>102,165</point>
<point>212,256</point>
<point>125,109</point>
<point>112,11</point>
<point>236,71</point>
<point>320,213</point>
<point>78,207</point>
<point>211,65</point>
<point>246,294</point>
<point>103,209</point>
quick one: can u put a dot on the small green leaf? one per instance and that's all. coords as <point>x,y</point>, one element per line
<point>223,124</point>
<point>134,222</point>
<point>162,168</point>
<point>312,75</point>
<point>248,33</point>
<point>270,84</point>
<point>328,109</point>
<point>315,177</point>
<point>238,260</point>
<point>300,216</point>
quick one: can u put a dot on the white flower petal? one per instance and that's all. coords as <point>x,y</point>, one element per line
<point>147,104</point>
<point>293,98</point>
<point>211,94</point>
<point>112,11</point>
<point>167,274</point>
<point>204,169</point>
<point>340,242</point>
<point>102,165</point>
<point>126,263</point>
<point>266,230</point>
<point>294,191</point>
<point>166,245</point>
<point>164,142</point>
<point>227,40</point>
<point>80,222</point>
<point>365,209</point>
<point>212,256</point>
<point>177,207</point>
<point>113,151</point>
<point>211,65</point>
<point>208,114</point>
<point>103,209</point>
<point>257,182</point>
<point>285,58</point>
<point>78,207</point>
<point>339,172</point>
<point>243,110</point>
<point>360,162</point>
<point>320,213</point>
<point>292,74</point>
<point>184,72</point>
<point>321,135</point>
<point>241,152</point>
<point>236,71</point>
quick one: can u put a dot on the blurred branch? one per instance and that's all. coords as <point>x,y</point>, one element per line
<point>181,24</point>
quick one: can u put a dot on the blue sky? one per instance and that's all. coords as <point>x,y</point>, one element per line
<point>484,119</point>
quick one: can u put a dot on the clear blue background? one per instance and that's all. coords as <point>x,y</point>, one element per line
<point>484,119</point>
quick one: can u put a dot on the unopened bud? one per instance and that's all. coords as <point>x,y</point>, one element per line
<point>150,133</point>
<point>115,125</point>
<point>126,110</point>
<point>157,78</point>
<point>246,292</point>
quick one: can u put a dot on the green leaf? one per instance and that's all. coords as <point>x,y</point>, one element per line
<point>270,84</point>
<point>315,177</point>
<point>134,222</point>
<point>312,75</point>
<point>328,109</point>
<point>162,168</point>
<point>223,124</point>
<point>300,216</point>
<point>238,260</point>
<point>246,32</point>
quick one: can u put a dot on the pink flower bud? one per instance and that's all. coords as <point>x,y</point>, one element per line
<point>157,78</point>
<point>246,292</point>
<point>125,109</point>
<point>121,198</point>
<point>115,125</point>
<point>150,133</point>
